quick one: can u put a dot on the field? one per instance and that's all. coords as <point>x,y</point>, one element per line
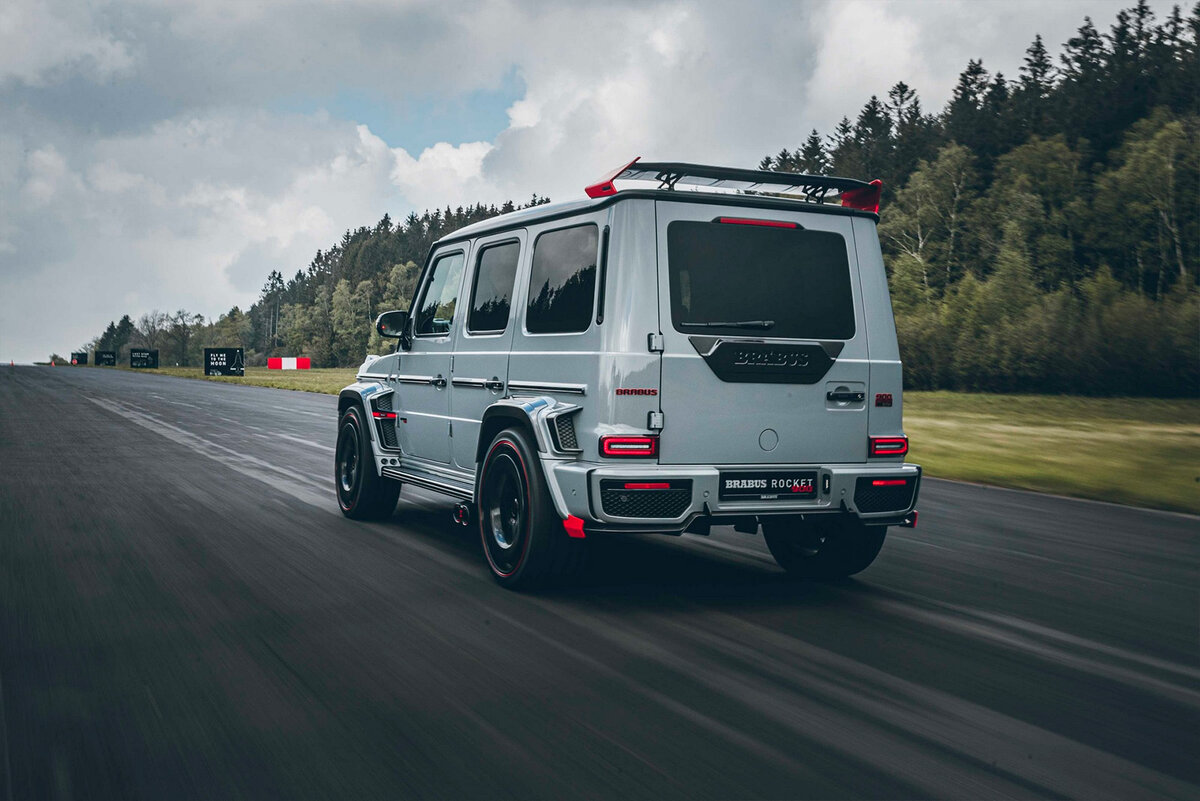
<point>1139,451</point>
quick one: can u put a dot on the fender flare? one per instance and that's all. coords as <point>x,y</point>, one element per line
<point>360,393</point>
<point>533,413</point>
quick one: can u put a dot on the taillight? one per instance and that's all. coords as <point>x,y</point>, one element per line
<point>865,198</point>
<point>763,223</point>
<point>887,446</point>
<point>629,447</point>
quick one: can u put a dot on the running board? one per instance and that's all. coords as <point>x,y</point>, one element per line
<point>428,483</point>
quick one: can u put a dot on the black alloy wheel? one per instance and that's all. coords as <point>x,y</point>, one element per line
<point>361,492</point>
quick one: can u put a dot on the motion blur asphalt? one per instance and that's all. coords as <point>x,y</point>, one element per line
<point>184,613</point>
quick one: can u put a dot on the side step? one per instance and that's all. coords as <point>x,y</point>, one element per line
<point>428,483</point>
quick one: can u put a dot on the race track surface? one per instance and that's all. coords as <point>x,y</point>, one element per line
<point>184,613</point>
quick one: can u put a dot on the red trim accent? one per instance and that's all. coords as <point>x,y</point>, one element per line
<point>887,446</point>
<point>662,485</point>
<point>611,446</point>
<point>574,527</point>
<point>604,186</point>
<point>275,363</point>
<point>385,415</point>
<point>864,199</point>
<point>889,482</point>
<point>763,223</point>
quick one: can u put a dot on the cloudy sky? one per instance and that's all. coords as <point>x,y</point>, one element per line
<point>159,155</point>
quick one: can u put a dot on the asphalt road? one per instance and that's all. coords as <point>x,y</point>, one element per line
<point>184,613</point>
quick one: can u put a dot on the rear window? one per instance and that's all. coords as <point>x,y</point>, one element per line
<point>745,280</point>
<point>562,281</point>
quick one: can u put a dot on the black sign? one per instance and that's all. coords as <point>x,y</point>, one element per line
<point>762,362</point>
<point>144,358</point>
<point>106,358</point>
<point>224,361</point>
<point>769,485</point>
<point>79,358</point>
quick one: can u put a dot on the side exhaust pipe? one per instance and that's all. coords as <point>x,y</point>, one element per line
<point>462,514</point>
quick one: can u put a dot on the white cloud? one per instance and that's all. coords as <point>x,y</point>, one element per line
<point>148,160</point>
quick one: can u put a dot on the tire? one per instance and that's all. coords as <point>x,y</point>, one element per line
<point>523,538</point>
<point>361,492</point>
<point>823,546</point>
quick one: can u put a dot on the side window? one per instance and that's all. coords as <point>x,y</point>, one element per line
<point>562,283</point>
<point>435,311</point>
<point>491,297</point>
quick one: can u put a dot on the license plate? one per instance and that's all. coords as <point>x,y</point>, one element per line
<point>772,485</point>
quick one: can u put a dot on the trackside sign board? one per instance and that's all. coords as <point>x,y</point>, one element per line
<point>224,361</point>
<point>144,358</point>
<point>106,358</point>
<point>79,358</point>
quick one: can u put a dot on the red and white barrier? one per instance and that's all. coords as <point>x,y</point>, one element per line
<point>289,363</point>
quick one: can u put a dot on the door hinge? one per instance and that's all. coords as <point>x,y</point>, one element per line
<point>656,343</point>
<point>655,421</point>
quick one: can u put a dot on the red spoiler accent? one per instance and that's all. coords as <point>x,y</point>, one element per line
<point>605,185</point>
<point>866,199</point>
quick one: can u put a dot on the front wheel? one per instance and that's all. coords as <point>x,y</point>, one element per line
<point>361,492</point>
<point>523,536</point>
<point>822,546</point>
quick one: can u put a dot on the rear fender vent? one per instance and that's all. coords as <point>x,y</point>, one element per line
<point>562,430</point>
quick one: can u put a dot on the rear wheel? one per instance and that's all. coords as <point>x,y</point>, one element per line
<point>362,493</point>
<point>822,546</point>
<point>523,536</point>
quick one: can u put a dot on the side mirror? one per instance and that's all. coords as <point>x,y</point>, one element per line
<point>392,324</point>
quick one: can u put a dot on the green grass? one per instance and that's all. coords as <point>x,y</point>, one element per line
<point>1139,451</point>
<point>328,380</point>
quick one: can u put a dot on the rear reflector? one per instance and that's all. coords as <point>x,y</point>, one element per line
<point>887,446</point>
<point>654,486</point>
<point>864,199</point>
<point>889,482</point>
<point>763,223</point>
<point>629,447</point>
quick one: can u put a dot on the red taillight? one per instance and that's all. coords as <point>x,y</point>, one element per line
<point>889,482</point>
<point>887,446</point>
<point>864,199</point>
<point>384,415</point>
<point>629,447</point>
<point>763,223</point>
<point>657,485</point>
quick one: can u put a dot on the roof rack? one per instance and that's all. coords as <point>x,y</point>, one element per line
<point>808,188</point>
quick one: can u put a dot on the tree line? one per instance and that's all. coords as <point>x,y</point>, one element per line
<point>1042,233</point>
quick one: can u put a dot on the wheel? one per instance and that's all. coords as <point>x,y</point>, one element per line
<point>822,546</point>
<point>523,537</point>
<point>362,493</point>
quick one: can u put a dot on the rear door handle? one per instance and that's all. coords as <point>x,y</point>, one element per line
<point>495,385</point>
<point>438,382</point>
<point>853,397</point>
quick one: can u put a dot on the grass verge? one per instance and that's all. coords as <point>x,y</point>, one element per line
<point>1140,451</point>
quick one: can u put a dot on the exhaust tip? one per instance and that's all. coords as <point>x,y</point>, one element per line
<point>462,514</point>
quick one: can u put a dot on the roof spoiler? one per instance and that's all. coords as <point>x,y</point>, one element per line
<point>854,194</point>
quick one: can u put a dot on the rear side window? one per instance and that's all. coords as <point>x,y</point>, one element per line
<point>562,283</point>
<point>491,298</point>
<point>744,280</point>
<point>436,310</point>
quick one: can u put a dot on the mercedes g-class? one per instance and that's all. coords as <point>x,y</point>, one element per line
<point>657,360</point>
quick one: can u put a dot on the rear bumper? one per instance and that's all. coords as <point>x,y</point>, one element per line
<point>840,488</point>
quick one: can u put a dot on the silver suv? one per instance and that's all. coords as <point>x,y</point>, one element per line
<point>647,360</point>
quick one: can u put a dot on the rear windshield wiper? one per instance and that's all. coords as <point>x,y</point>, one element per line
<point>763,324</point>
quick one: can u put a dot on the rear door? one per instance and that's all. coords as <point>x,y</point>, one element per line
<point>765,348</point>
